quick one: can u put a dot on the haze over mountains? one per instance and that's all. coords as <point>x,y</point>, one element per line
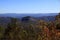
<point>47,17</point>
<point>23,15</point>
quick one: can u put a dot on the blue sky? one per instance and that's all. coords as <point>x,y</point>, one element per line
<point>29,6</point>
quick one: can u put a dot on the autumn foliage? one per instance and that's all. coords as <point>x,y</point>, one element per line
<point>31,30</point>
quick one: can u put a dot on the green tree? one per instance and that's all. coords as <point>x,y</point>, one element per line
<point>1,31</point>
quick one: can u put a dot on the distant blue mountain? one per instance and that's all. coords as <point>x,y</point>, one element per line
<point>6,18</point>
<point>46,17</point>
<point>23,15</point>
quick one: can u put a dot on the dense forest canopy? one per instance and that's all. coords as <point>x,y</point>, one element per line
<point>29,28</point>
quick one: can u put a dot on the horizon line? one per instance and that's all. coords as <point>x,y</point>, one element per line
<point>25,13</point>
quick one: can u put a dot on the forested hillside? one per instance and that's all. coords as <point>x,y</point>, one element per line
<point>30,28</point>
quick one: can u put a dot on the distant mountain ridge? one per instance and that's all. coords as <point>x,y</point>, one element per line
<point>5,18</point>
<point>23,15</point>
